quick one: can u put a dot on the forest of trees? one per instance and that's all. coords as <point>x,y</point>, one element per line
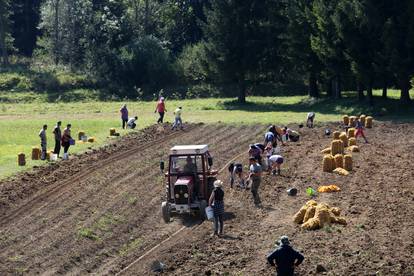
<point>127,45</point>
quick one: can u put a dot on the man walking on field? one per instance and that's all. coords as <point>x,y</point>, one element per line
<point>43,142</point>
<point>178,121</point>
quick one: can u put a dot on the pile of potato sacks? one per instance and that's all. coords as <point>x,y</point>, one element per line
<point>335,157</point>
<point>313,215</point>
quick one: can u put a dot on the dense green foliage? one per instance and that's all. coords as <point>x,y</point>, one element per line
<point>135,48</point>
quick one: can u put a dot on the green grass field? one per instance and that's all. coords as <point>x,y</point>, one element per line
<point>21,123</point>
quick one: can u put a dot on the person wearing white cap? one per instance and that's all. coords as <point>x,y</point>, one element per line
<point>217,202</point>
<point>161,109</point>
<point>285,258</point>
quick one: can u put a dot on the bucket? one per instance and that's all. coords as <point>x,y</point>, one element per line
<point>209,213</point>
<point>53,157</point>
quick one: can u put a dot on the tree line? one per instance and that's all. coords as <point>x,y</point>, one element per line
<point>128,45</point>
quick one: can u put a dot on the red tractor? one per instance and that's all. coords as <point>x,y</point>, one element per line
<point>189,181</point>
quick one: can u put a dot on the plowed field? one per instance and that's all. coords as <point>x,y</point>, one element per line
<point>100,212</point>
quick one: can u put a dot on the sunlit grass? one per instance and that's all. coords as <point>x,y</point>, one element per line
<point>21,123</point>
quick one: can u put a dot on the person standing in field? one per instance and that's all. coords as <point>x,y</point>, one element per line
<point>58,137</point>
<point>161,109</point>
<point>178,121</point>
<point>216,201</point>
<point>43,142</point>
<point>285,258</point>
<point>124,115</point>
<point>255,176</point>
<point>66,138</point>
<point>360,130</point>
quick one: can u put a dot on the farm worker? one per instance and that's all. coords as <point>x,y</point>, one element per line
<point>124,115</point>
<point>360,130</point>
<point>276,134</point>
<point>285,258</point>
<point>236,170</point>
<point>190,167</point>
<point>269,137</point>
<point>66,139</point>
<point>291,135</point>
<point>161,109</point>
<point>255,176</point>
<point>216,201</point>
<point>131,122</point>
<point>275,161</point>
<point>255,152</point>
<point>178,121</point>
<point>43,142</point>
<point>310,118</point>
<point>57,132</point>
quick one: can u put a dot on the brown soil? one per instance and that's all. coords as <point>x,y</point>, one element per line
<point>100,212</point>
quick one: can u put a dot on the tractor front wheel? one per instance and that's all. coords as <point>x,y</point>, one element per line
<point>166,213</point>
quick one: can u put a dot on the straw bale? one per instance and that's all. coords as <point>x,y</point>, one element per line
<point>328,163</point>
<point>311,224</point>
<point>91,139</point>
<point>368,122</point>
<point>347,162</point>
<point>112,131</point>
<point>35,153</point>
<point>363,118</point>
<point>336,135</point>
<point>310,213</point>
<point>326,151</point>
<point>352,121</point>
<point>352,142</point>
<point>328,189</point>
<point>339,161</point>
<point>339,220</point>
<point>353,149</point>
<point>298,217</point>
<point>21,159</point>
<point>337,146</point>
<point>345,119</point>
<point>344,138</point>
<point>341,171</point>
<point>335,211</point>
<point>351,132</point>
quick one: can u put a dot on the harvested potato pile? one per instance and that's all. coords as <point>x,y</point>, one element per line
<point>328,189</point>
<point>341,171</point>
<point>314,216</point>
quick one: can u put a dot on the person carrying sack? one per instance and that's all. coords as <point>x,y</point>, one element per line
<point>66,140</point>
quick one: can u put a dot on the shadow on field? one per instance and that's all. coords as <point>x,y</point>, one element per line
<point>382,109</point>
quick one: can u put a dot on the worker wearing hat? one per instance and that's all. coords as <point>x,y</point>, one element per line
<point>217,202</point>
<point>285,258</point>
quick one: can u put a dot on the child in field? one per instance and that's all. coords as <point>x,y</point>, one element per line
<point>360,130</point>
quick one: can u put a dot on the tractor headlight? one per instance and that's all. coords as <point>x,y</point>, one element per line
<point>177,196</point>
<point>186,195</point>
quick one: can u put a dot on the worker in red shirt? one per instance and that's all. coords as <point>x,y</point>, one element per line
<point>161,109</point>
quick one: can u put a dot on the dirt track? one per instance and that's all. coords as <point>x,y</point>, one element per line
<point>109,217</point>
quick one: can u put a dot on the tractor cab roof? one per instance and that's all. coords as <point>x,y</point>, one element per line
<point>189,149</point>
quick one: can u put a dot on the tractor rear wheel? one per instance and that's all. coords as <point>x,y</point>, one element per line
<point>166,213</point>
<point>203,206</point>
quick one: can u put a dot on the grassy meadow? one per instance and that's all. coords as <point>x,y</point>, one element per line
<point>20,123</point>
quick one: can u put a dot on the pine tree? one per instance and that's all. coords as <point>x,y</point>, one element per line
<point>242,40</point>
<point>25,20</point>
<point>359,26</point>
<point>301,56</point>
<point>398,38</point>
<point>4,30</point>
<point>327,45</point>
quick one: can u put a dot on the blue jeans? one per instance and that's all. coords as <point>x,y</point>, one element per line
<point>218,224</point>
<point>178,122</point>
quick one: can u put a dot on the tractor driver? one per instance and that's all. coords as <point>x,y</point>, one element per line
<point>191,168</point>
